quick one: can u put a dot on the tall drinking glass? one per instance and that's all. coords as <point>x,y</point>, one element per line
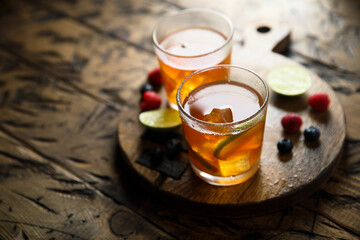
<point>190,40</point>
<point>223,111</point>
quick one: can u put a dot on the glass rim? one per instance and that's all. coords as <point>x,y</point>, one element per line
<point>228,40</point>
<point>180,107</point>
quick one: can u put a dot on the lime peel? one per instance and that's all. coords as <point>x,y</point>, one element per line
<point>289,80</point>
<point>242,128</point>
<point>160,119</point>
<point>201,160</point>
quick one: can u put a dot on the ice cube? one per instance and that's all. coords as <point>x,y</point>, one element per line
<point>218,115</point>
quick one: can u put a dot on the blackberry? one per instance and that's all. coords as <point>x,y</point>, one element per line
<point>284,145</point>
<point>311,134</point>
<point>173,147</point>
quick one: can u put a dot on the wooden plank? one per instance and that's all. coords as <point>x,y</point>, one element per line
<point>63,125</point>
<point>40,200</point>
<point>42,112</point>
<point>129,20</point>
<point>322,30</point>
<point>339,198</point>
<point>21,17</point>
<point>295,222</point>
<point>95,64</point>
<point>104,78</point>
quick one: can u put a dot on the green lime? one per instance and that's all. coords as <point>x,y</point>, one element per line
<point>201,160</point>
<point>231,143</point>
<point>160,119</point>
<point>289,80</point>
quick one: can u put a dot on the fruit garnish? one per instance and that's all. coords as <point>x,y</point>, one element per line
<point>201,160</point>
<point>160,119</point>
<point>173,147</point>
<point>284,145</point>
<point>319,101</point>
<point>235,165</point>
<point>311,134</point>
<point>236,142</point>
<point>289,80</point>
<point>154,77</point>
<point>150,100</point>
<point>291,122</point>
<point>146,87</point>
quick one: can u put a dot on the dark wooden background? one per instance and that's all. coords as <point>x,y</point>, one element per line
<point>65,72</point>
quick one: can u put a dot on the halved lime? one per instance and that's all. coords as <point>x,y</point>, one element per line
<point>160,119</point>
<point>289,80</point>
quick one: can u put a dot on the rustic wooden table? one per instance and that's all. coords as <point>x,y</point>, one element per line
<point>65,72</point>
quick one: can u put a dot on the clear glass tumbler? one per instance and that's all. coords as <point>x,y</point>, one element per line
<point>189,40</point>
<point>223,112</point>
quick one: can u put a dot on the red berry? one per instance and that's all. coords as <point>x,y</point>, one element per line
<point>151,100</point>
<point>154,77</point>
<point>291,122</point>
<point>319,101</point>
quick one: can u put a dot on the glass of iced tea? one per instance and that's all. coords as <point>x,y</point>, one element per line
<point>223,111</point>
<point>189,40</point>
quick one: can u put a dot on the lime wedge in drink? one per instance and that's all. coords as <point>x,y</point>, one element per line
<point>235,165</point>
<point>233,143</point>
<point>289,80</point>
<point>160,119</point>
<point>201,160</point>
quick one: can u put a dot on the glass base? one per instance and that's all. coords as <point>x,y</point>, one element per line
<point>226,181</point>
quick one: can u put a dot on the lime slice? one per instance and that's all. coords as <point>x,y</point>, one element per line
<point>235,165</point>
<point>160,119</point>
<point>230,143</point>
<point>289,80</point>
<point>202,160</point>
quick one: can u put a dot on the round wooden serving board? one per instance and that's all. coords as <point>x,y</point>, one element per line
<point>282,179</point>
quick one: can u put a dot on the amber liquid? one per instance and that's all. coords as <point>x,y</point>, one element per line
<point>190,49</point>
<point>225,154</point>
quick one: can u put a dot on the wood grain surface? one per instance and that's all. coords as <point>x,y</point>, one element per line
<point>282,179</point>
<point>65,68</point>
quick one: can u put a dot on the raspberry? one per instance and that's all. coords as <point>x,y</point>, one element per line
<point>284,145</point>
<point>319,101</point>
<point>154,77</point>
<point>151,100</point>
<point>291,122</point>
